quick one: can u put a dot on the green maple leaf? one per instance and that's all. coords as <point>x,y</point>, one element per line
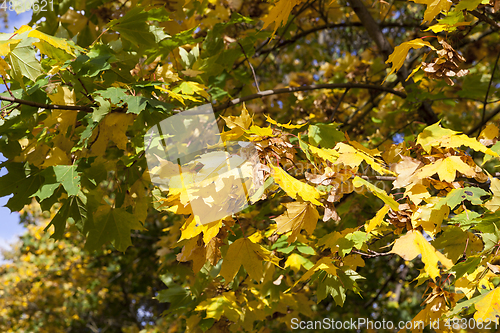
<point>20,183</point>
<point>65,175</point>
<point>112,225</point>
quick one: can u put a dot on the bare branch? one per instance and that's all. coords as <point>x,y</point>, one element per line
<point>486,120</point>
<point>307,88</point>
<point>338,104</point>
<point>386,49</point>
<point>331,26</point>
<point>7,86</point>
<point>47,106</point>
<point>251,67</point>
<point>486,19</point>
<point>486,96</point>
<point>372,254</point>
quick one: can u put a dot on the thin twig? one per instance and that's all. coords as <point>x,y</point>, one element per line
<point>486,120</point>
<point>307,88</point>
<point>47,106</point>
<point>338,104</point>
<point>389,178</point>
<point>287,26</point>
<point>487,93</point>
<point>372,254</point>
<point>251,67</point>
<point>7,86</point>
<point>4,112</point>
<point>98,37</point>
<point>87,94</point>
<point>330,26</point>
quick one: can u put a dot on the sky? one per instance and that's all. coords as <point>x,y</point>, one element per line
<point>10,228</point>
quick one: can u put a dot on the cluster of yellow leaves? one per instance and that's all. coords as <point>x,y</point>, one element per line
<point>432,172</point>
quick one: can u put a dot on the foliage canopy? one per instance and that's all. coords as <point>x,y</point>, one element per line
<point>378,184</point>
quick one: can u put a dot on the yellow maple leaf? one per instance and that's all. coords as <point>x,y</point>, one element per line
<point>430,314</point>
<point>244,252</point>
<point>5,46</point>
<point>113,127</point>
<point>412,244</point>
<point>405,170</point>
<point>298,216</point>
<point>3,67</point>
<point>327,154</point>
<point>397,58</point>
<point>489,307</point>
<point>242,121</point>
<point>226,305</point>
<point>294,187</point>
<point>351,156</point>
<point>279,13</point>
<point>358,182</point>
<point>54,41</point>
<point>437,136</point>
<point>288,126</point>
<point>377,220</point>
<point>192,251</point>
<point>416,193</point>
<point>296,262</point>
<point>447,169</point>
<point>494,203</point>
<point>325,264</point>
<point>190,229</point>
<point>63,96</point>
<point>469,283</point>
<point>434,7</point>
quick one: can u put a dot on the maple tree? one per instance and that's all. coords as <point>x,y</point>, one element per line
<point>373,163</point>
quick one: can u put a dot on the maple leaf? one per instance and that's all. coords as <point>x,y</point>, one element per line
<point>405,169</point>
<point>112,225</point>
<point>377,220</point>
<point>244,252</point>
<point>298,216</point>
<point>288,126</point>
<point>489,307</point>
<point>226,304</point>
<point>447,169</point>
<point>358,182</point>
<point>279,13</point>
<point>243,121</point>
<point>193,251</point>
<point>456,196</point>
<point>437,136</point>
<point>397,58</point>
<point>412,244</point>
<point>353,156</point>
<point>295,261</point>
<point>294,187</point>
<point>434,7</point>
<point>494,203</point>
<point>325,264</point>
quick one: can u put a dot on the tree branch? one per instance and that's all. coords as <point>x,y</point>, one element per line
<point>47,106</point>
<point>487,93</point>
<point>372,254</point>
<point>486,120</point>
<point>330,26</point>
<point>486,19</point>
<point>307,88</point>
<point>386,49</point>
